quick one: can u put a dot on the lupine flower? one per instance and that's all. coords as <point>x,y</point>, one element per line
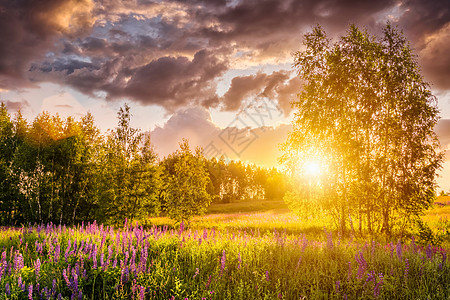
<point>66,278</point>
<point>429,252</point>
<point>349,270</point>
<point>330,244</point>
<point>399,250</point>
<point>30,292</point>
<point>362,264</point>
<point>222,262</point>
<point>267,275</point>
<point>141,292</point>
<point>37,267</point>
<point>94,256</point>
<point>7,289</point>
<point>337,286</point>
<point>196,272</point>
<point>406,268</point>
<point>298,263</point>
<point>378,286</point>
<point>239,260</point>
<point>53,291</point>
<point>57,252</point>
<point>208,282</point>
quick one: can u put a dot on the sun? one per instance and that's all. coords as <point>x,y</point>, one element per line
<point>311,168</point>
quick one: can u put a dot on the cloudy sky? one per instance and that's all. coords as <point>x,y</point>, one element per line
<point>218,72</point>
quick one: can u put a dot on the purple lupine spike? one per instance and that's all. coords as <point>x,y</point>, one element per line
<point>378,286</point>
<point>399,250</point>
<point>102,261</point>
<point>66,278</point>
<point>37,267</point>
<point>94,256</point>
<point>429,252</point>
<point>115,262</point>
<point>222,262</point>
<point>7,289</point>
<point>30,292</point>
<point>53,291</point>
<point>196,272</point>
<point>75,283</point>
<point>406,268</point>
<point>337,286</point>
<point>239,260</point>
<point>208,282</point>
<point>267,275</point>
<point>133,260</point>
<point>57,252</point>
<point>349,271</point>
<point>141,292</point>
<point>362,264</point>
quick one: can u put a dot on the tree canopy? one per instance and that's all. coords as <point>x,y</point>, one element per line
<point>66,171</point>
<point>366,113</point>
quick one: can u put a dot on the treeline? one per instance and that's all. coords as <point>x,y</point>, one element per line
<point>65,171</point>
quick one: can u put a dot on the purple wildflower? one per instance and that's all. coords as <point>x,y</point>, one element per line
<point>208,282</point>
<point>37,266</point>
<point>222,262</point>
<point>429,252</point>
<point>330,244</point>
<point>378,286</point>
<point>349,270</point>
<point>399,250</point>
<point>53,291</point>
<point>267,275</point>
<point>94,257</point>
<point>57,252</point>
<point>406,268</point>
<point>7,289</point>
<point>141,292</point>
<point>239,260</point>
<point>196,272</point>
<point>337,286</point>
<point>362,264</point>
<point>30,292</point>
<point>66,278</point>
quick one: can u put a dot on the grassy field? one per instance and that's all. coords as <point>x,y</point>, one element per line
<point>230,253</point>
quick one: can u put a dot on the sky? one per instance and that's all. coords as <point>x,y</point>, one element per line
<point>216,72</point>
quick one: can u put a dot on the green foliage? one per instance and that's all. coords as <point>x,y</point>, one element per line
<point>65,171</point>
<point>186,194</point>
<point>130,177</point>
<point>367,114</point>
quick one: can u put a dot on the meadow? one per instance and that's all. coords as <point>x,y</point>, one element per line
<point>246,255</point>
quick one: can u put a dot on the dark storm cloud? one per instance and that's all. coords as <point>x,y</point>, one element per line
<point>28,29</point>
<point>442,129</point>
<point>173,82</point>
<point>171,53</point>
<point>427,25</point>
<point>276,86</point>
<point>16,105</point>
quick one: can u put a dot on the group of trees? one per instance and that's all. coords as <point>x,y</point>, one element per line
<point>66,171</point>
<point>367,115</point>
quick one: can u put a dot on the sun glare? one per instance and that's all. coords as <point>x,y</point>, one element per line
<point>312,168</point>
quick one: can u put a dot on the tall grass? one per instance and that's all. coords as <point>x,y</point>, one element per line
<point>96,262</point>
